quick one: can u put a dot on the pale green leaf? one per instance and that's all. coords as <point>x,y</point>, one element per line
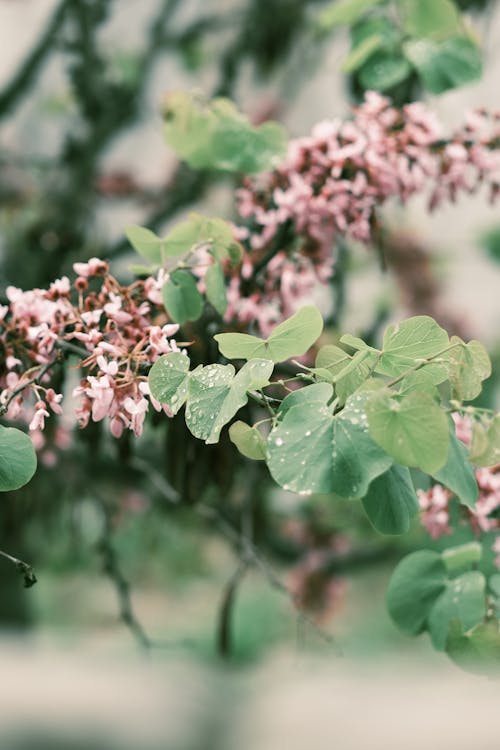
<point>146,242</point>
<point>292,338</point>
<point>485,448</point>
<point>181,297</point>
<point>248,440</point>
<point>413,429</point>
<point>430,18</point>
<point>216,287</point>
<point>469,366</point>
<point>407,343</point>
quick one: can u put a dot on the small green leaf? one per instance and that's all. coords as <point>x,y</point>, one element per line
<point>457,474</point>
<point>384,70</point>
<point>430,18</point>
<point>478,650</point>
<point>462,600</point>
<point>415,585</point>
<point>181,297</point>
<point>469,366</point>
<point>168,380</point>
<point>17,459</point>
<point>485,448</point>
<point>317,392</point>
<point>215,394</point>
<point>362,52</point>
<point>407,343</point>
<point>413,429</point>
<point>464,556</point>
<point>343,12</point>
<point>445,65</point>
<point>248,440</point>
<point>391,502</point>
<point>292,338</point>
<point>216,287</point>
<point>214,135</point>
<point>146,242</point>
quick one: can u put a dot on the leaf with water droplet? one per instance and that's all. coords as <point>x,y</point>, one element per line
<point>340,456</point>
<point>216,389</point>
<point>409,342</point>
<point>168,380</point>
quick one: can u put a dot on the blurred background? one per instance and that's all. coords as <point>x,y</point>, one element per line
<point>116,645</point>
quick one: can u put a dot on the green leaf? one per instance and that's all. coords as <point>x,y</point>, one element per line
<point>362,52</point>
<point>354,342</point>
<point>412,429</point>
<point>478,650</point>
<point>343,12</point>
<point>384,70</point>
<point>197,231</point>
<point>462,600</point>
<point>168,380</point>
<point>457,474</point>
<point>464,556</point>
<point>17,459</point>
<point>292,338</point>
<point>417,582</point>
<point>248,440</point>
<point>215,394</point>
<point>216,287</point>
<point>485,448</point>
<point>445,65</point>
<point>214,135</point>
<point>181,297</point>
<point>146,242</point>
<point>430,18</point>
<point>311,450</point>
<point>469,366</point>
<point>407,343</point>
<point>391,502</point>
<point>347,372</point>
<point>317,392</point>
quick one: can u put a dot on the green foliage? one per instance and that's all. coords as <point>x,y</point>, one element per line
<point>212,394</point>
<point>457,473</point>
<point>485,448</point>
<point>248,440</point>
<point>443,595</point>
<point>413,429</point>
<point>214,135</point>
<point>177,250</point>
<point>394,42</point>
<point>291,338</point>
<point>391,502</point>
<point>17,459</point>
<point>181,297</point>
<point>311,449</point>
<point>444,65</point>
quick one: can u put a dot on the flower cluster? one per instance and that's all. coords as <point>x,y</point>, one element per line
<point>115,331</point>
<point>435,503</point>
<point>331,184</point>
